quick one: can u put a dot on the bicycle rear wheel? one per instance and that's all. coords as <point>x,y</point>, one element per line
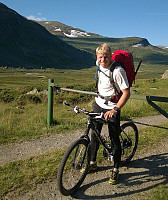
<point>129,141</point>
<point>73,167</point>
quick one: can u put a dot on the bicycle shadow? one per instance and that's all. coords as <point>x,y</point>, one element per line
<point>149,172</point>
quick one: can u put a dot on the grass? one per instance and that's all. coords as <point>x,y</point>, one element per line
<point>158,193</point>
<point>152,135</point>
<point>16,78</point>
<point>19,124</point>
<point>30,122</point>
<point>24,174</point>
<point>19,78</point>
<point>25,124</point>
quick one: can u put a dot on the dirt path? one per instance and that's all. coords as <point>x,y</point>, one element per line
<point>147,170</point>
<point>18,151</point>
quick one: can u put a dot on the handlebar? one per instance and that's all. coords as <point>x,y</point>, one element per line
<point>77,110</point>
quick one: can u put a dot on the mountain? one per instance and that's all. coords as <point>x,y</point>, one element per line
<point>162,47</point>
<point>62,30</point>
<point>51,44</point>
<point>139,47</point>
<point>25,43</point>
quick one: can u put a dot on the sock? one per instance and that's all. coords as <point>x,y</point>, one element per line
<point>115,170</point>
<point>92,162</point>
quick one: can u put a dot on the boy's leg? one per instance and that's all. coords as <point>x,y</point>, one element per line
<point>114,131</point>
<point>94,140</point>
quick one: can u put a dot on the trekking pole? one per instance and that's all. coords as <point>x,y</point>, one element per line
<point>138,67</point>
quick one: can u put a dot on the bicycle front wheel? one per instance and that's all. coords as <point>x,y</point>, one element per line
<point>129,141</point>
<point>73,167</point>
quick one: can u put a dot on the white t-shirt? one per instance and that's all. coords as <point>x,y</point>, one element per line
<point>105,87</point>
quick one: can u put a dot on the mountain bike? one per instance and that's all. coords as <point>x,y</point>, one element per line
<point>75,162</point>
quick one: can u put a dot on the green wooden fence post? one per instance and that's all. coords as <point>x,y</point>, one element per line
<point>50,102</point>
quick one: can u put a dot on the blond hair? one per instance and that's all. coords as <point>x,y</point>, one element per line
<point>104,49</point>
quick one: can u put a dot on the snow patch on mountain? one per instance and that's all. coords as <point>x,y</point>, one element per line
<point>57,29</point>
<point>162,47</point>
<point>75,33</point>
<point>137,45</point>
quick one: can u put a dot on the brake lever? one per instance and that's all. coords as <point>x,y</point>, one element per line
<point>100,116</point>
<point>76,110</point>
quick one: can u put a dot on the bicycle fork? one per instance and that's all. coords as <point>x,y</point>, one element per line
<point>80,152</point>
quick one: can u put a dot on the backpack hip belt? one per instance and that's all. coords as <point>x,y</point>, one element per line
<point>113,99</point>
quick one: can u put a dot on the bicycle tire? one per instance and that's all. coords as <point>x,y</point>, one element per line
<point>129,142</point>
<point>70,174</point>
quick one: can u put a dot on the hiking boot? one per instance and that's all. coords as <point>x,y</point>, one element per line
<point>114,177</point>
<point>92,167</point>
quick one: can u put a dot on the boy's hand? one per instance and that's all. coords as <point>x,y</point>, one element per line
<point>109,114</point>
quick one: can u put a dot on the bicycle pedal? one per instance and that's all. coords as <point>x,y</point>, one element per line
<point>110,158</point>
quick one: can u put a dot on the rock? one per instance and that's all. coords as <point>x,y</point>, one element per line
<point>133,91</point>
<point>35,91</point>
<point>165,75</point>
<point>44,92</point>
<point>19,107</point>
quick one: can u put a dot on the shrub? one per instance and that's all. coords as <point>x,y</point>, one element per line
<point>7,95</point>
<point>34,98</point>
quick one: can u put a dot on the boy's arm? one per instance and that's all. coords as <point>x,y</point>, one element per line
<point>122,101</point>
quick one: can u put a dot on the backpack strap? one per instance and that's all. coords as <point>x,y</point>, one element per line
<point>113,66</point>
<point>96,74</point>
<point>117,93</point>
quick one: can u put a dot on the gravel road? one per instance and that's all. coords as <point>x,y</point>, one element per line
<point>18,151</point>
<point>147,170</point>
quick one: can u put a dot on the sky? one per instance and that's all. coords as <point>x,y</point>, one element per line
<point>110,18</point>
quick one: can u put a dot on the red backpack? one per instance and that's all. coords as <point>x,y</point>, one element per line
<point>124,59</point>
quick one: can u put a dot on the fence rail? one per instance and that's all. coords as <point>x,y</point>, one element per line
<point>51,88</point>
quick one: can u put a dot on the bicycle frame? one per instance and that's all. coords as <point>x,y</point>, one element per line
<point>75,163</point>
<point>91,125</point>
<point>98,117</point>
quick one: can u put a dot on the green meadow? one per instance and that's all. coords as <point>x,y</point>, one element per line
<point>24,116</point>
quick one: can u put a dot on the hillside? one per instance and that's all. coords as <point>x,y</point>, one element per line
<point>51,44</point>
<point>140,47</point>
<point>62,30</point>
<point>25,43</point>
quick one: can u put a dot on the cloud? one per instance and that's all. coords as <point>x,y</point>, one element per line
<point>31,17</point>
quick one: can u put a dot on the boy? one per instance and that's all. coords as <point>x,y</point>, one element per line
<point>110,104</point>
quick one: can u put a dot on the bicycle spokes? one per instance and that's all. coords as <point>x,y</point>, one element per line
<point>129,141</point>
<point>126,143</point>
<point>79,157</point>
<point>74,168</point>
